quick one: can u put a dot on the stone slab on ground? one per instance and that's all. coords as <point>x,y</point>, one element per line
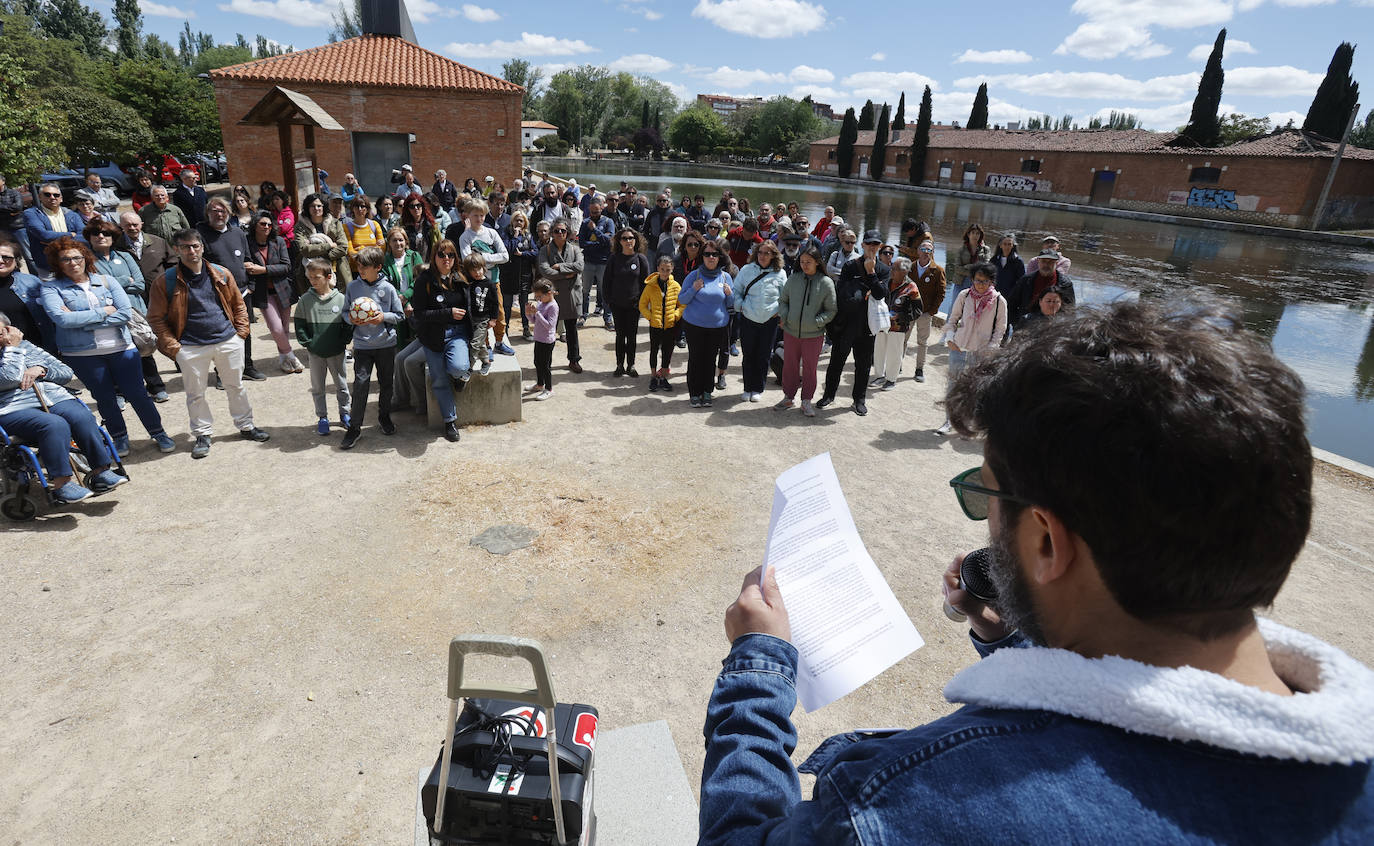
<point>641,791</point>
<point>491,399</point>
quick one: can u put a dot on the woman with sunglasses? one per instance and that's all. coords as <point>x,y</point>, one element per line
<point>361,229</point>
<point>124,269</point>
<point>757,288</point>
<point>268,266</point>
<point>21,296</point>
<point>401,267</point>
<point>91,315</point>
<point>705,296</point>
<point>624,280</point>
<point>418,221</point>
<point>440,302</point>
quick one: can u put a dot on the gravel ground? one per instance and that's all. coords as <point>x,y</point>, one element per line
<point>251,648</point>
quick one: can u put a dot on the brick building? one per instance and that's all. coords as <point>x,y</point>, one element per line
<point>1274,179</point>
<point>398,103</point>
<point>725,105</point>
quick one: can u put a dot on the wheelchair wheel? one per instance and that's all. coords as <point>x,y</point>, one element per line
<point>19,508</point>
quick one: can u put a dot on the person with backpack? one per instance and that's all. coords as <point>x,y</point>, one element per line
<point>361,229</point>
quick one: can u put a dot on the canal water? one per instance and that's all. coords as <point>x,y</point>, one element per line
<point>1313,301</point>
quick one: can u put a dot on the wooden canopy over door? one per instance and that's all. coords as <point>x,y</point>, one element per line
<point>284,108</point>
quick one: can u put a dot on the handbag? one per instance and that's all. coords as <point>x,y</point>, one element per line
<point>141,331</point>
<point>879,315</point>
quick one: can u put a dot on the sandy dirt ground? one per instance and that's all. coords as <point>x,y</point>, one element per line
<point>251,648</point>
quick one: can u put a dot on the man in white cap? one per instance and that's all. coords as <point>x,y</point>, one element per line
<point>488,185</point>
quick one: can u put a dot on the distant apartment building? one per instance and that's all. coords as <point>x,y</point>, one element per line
<point>822,110</point>
<point>726,106</point>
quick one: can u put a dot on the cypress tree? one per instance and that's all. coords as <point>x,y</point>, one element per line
<point>644,116</point>
<point>1336,96</point>
<point>920,145</point>
<point>866,116</point>
<point>978,118</point>
<point>877,162</point>
<point>899,121</point>
<point>658,120</point>
<point>844,152</point>
<point>1204,125</point>
<point>129,28</point>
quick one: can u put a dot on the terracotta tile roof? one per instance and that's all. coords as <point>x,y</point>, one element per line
<point>372,61</point>
<point>1284,143</point>
<point>536,124</point>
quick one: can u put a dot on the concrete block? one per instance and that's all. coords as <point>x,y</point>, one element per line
<point>491,399</point>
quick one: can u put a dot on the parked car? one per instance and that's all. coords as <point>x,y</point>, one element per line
<point>165,169</point>
<point>67,179</point>
<point>212,167</point>
<point>111,175</point>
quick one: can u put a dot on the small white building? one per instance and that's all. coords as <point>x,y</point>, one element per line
<point>532,129</point>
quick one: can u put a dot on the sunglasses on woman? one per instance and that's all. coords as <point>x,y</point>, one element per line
<point>710,255</point>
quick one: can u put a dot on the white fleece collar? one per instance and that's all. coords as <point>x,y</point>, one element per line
<point>1331,723</point>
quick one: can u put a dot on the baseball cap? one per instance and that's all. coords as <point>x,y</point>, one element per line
<point>872,237</point>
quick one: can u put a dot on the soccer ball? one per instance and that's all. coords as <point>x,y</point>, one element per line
<point>363,310</point>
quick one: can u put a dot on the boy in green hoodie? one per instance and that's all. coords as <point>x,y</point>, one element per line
<point>321,329</point>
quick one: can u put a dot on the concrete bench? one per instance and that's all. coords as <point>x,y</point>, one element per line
<point>491,399</point>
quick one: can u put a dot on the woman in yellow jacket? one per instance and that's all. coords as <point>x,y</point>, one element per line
<point>660,307</point>
<point>362,230</point>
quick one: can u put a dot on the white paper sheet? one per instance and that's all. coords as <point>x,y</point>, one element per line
<point>846,623</point>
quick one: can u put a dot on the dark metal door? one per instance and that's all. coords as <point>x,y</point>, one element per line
<point>375,155</point>
<point>1104,182</point>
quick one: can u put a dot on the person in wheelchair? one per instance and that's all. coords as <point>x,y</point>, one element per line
<point>53,420</point>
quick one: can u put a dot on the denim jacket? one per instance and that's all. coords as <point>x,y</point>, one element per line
<point>1053,747</point>
<point>76,321</point>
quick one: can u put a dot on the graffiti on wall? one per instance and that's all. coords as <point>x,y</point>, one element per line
<point>1015,182</point>
<point>1213,198</point>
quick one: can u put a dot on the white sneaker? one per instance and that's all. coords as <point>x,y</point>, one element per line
<point>543,395</point>
<point>284,362</point>
<point>746,396</point>
<point>944,428</point>
<point>754,397</point>
<point>808,409</point>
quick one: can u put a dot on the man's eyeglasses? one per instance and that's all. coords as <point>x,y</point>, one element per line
<point>50,194</point>
<point>974,497</point>
<point>560,232</point>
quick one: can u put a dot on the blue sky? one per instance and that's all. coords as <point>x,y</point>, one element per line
<point>1083,58</point>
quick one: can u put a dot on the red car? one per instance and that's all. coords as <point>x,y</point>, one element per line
<point>169,172</point>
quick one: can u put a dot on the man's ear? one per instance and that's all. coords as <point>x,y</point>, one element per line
<point>1048,547</point>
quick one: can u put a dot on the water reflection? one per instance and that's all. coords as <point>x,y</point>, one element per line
<point>1313,300</point>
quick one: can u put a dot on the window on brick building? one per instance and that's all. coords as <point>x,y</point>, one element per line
<point>1207,175</point>
<point>830,155</point>
<point>901,158</point>
<point>1030,166</point>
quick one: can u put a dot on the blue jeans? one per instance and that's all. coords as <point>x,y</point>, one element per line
<point>53,431</point>
<point>452,361</point>
<point>101,373</point>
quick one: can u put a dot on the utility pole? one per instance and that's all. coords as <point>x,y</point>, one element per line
<point>1319,212</point>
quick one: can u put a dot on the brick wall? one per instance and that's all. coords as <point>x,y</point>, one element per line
<point>454,131</point>
<point>1271,190</point>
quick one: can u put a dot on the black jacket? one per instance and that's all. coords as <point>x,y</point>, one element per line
<point>447,193</point>
<point>228,249</point>
<point>1023,299</point>
<point>11,209</point>
<point>852,291</point>
<point>192,202</point>
<point>624,279</point>
<point>1010,269</point>
<point>434,306</point>
<point>278,266</point>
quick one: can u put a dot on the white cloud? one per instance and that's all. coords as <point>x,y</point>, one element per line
<point>1116,27</point>
<point>1159,118</point>
<point>297,12</point>
<point>530,44</point>
<point>1280,119</point>
<point>639,63</point>
<point>887,85</point>
<point>1092,84</point>
<point>821,94</point>
<point>879,57</point>
<point>1231,48</point>
<point>806,73</point>
<point>633,8</point>
<point>157,10</point>
<point>479,15</point>
<point>994,57</point>
<point>551,68</point>
<point>728,77</point>
<point>1109,39</point>
<point>424,11</point>
<point>762,18</point>
<point>1278,81</point>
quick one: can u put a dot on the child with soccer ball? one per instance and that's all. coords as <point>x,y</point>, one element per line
<point>375,310</point>
<point>544,315</point>
<point>484,305</point>
<point>322,330</point>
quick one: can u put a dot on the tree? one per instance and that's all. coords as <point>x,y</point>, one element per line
<point>899,122</point>
<point>264,48</point>
<point>551,144</point>
<point>658,120</point>
<point>978,117</point>
<point>1336,96</point>
<point>348,21</point>
<point>1204,125</point>
<point>128,28</point>
<point>877,162</point>
<point>158,50</point>
<point>147,86</point>
<point>644,115</point>
<point>844,151</point>
<point>101,128</point>
<point>68,19</point>
<point>920,145</point>
<point>32,130</point>
<point>221,56</point>
<point>1363,134</point>
<point>867,116</point>
<point>241,42</point>
<point>1235,127</point>
<point>696,129</point>
<point>186,44</point>
<point>646,141</point>
<point>1117,120</point>
<point>527,76</point>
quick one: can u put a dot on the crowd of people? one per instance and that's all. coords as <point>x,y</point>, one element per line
<point>424,285</point>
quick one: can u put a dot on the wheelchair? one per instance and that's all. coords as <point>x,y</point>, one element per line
<point>23,481</point>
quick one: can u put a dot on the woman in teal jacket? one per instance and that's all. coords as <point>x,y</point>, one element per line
<point>805,305</point>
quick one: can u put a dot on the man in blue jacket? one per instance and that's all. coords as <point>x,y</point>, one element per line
<point>1147,483</point>
<point>48,221</point>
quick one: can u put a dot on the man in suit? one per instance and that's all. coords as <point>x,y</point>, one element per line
<point>152,253</point>
<point>190,197</point>
<point>48,221</point>
<point>445,190</point>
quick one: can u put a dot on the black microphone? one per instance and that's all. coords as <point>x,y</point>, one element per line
<point>973,577</point>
